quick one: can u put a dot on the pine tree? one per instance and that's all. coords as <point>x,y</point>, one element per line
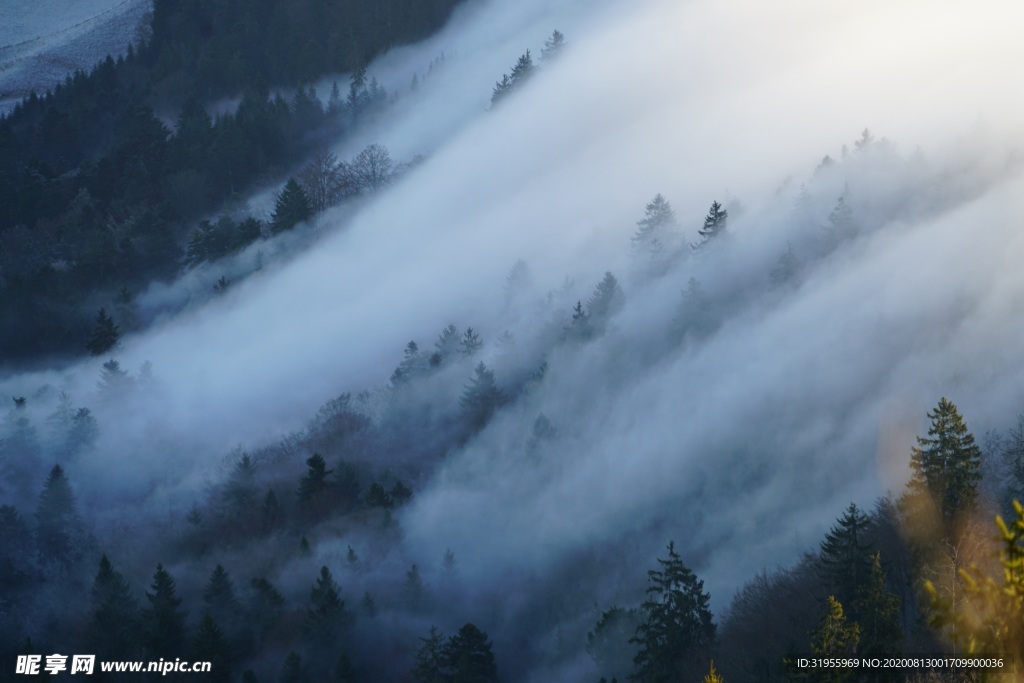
<point>163,624</point>
<point>469,657</point>
<point>833,637</point>
<point>480,398</point>
<point>344,672</point>
<point>265,606</point>
<point>58,527</point>
<point>414,592</point>
<point>678,626</point>
<point>113,380</point>
<point>115,626</point>
<point>315,479</point>
<point>292,208</point>
<point>104,335</point>
<point>946,465</point>
<point>326,616</point>
<point>656,227</point>
<point>553,47</point>
<point>219,597</point>
<point>694,316</point>
<point>846,555</point>
<point>523,69</point>
<point>447,343</point>
<point>470,343</point>
<point>293,670</point>
<point>431,665</point>
<point>714,223</point>
<point>878,613</point>
<point>212,646</point>
<point>607,299</point>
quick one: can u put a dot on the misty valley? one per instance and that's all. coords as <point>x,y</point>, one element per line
<point>465,342</point>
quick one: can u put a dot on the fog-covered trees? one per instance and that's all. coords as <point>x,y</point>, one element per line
<point>371,169</point>
<point>553,46</point>
<point>325,180</point>
<point>480,398</point>
<point>655,232</point>
<point>677,629</point>
<point>522,70</point>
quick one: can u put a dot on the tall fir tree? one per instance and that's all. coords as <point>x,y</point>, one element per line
<point>946,465</point>
<point>834,637</point>
<point>678,628</point>
<point>104,334</point>
<point>59,532</point>
<point>292,207</point>
<point>163,622</point>
<point>469,657</point>
<point>714,223</point>
<point>845,556</point>
<point>878,615</point>
<point>115,618</point>
<point>480,398</point>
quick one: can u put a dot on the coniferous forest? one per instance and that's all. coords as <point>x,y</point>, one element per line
<point>461,343</point>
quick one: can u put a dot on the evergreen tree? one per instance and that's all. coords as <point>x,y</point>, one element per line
<point>523,69</point>
<point>611,645</point>
<point>399,493</point>
<point>785,268</point>
<point>480,398</point>
<point>553,46</point>
<point>469,657</point>
<point>115,626</point>
<point>447,343</point>
<point>315,480</point>
<point>431,663</point>
<point>58,527</point>
<point>694,315</point>
<point>580,328</point>
<point>292,208</point>
<point>104,334</point>
<point>607,299</point>
<point>163,623</point>
<point>344,672</point>
<point>712,676</point>
<point>655,228</point>
<point>878,616</point>
<point>293,670</point>
<point>414,592</point>
<point>846,555</point>
<point>714,223</point>
<point>113,380</point>
<point>219,598</point>
<point>265,606</point>
<point>678,626</point>
<point>471,343</point>
<point>326,616</point>
<point>946,465</point>
<point>212,646</point>
<point>833,637</point>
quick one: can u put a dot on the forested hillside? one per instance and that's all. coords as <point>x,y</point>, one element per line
<point>562,362</point>
<point>102,179</point>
